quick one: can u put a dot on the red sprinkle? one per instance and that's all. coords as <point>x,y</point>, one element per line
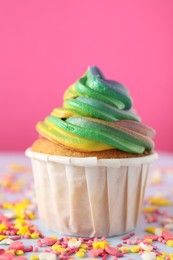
<point>125,237</point>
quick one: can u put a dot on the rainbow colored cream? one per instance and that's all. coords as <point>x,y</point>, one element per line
<point>97,115</point>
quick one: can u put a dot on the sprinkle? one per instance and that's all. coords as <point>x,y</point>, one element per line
<point>158,232</point>
<point>167,235</point>
<point>111,250</point>
<point>96,252</point>
<point>100,244</point>
<point>34,257</point>
<point>49,241</point>
<point>135,249</point>
<point>19,252</point>
<point>125,237</point>
<point>80,254</point>
<point>6,256</point>
<point>17,245</point>
<point>47,256</point>
<point>169,242</point>
<point>146,247</point>
<point>152,237</point>
<point>74,243</point>
<point>6,241</point>
<point>148,256</point>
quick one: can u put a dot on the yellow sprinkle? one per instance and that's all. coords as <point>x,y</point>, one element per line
<point>31,215</point>
<point>84,246</point>
<point>149,240</point>
<point>171,255</point>
<point>56,247</point>
<point>54,237</point>
<point>72,240</point>
<point>100,244</point>
<point>150,209</point>
<point>82,250</point>
<point>164,254</point>
<point>150,230</point>
<point>135,249</point>
<point>3,227</point>
<point>19,252</point>
<point>34,257</point>
<point>124,248</point>
<point>2,237</point>
<point>160,201</point>
<point>80,254</point>
<point>7,205</point>
<point>169,242</point>
<point>23,230</point>
<point>34,235</point>
<point>160,257</point>
<point>10,251</point>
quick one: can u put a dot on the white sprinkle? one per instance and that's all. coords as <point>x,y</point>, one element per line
<point>47,256</point>
<point>169,226</point>
<point>158,232</point>
<point>6,241</point>
<point>76,243</point>
<point>148,256</point>
<point>146,247</point>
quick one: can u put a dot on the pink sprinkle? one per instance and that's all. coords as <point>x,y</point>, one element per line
<point>119,254</point>
<point>104,256</point>
<point>15,238</point>
<point>167,235</point>
<point>96,252</point>
<point>6,256</point>
<point>124,242</point>
<point>103,238</point>
<point>160,239</point>
<point>111,250</point>
<point>18,245</point>
<point>19,258</point>
<point>27,236</point>
<point>39,243</point>
<point>125,237</point>
<point>132,234</point>
<point>28,249</point>
<point>153,237</point>
<point>12,233</point>
<point>129,242</point>
<point>154,247</point>
<point>2,251</point>
<point>35,249</point>
<point>119,245</point>
<point>163,241</point>
<point>49,241</point>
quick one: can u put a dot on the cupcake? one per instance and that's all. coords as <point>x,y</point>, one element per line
<point>91,160</point>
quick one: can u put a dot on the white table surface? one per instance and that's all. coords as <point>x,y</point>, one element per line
<point>163,165</point>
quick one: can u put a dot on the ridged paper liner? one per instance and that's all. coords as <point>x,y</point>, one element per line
<point>89,196</point>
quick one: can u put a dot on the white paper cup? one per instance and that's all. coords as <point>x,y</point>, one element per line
<point>88,196</point>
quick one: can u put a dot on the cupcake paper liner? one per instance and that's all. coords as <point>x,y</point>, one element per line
<point>88,196</point>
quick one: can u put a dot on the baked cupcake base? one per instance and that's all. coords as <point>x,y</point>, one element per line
<point>43,145</point>
<point>88,196</point>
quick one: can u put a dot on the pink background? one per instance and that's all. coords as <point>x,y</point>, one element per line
<point>46,45</point>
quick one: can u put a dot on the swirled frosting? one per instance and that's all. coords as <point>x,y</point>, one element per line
<point>97,115</point>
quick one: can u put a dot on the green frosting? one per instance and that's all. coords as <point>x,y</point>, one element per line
<point>99,109</point>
